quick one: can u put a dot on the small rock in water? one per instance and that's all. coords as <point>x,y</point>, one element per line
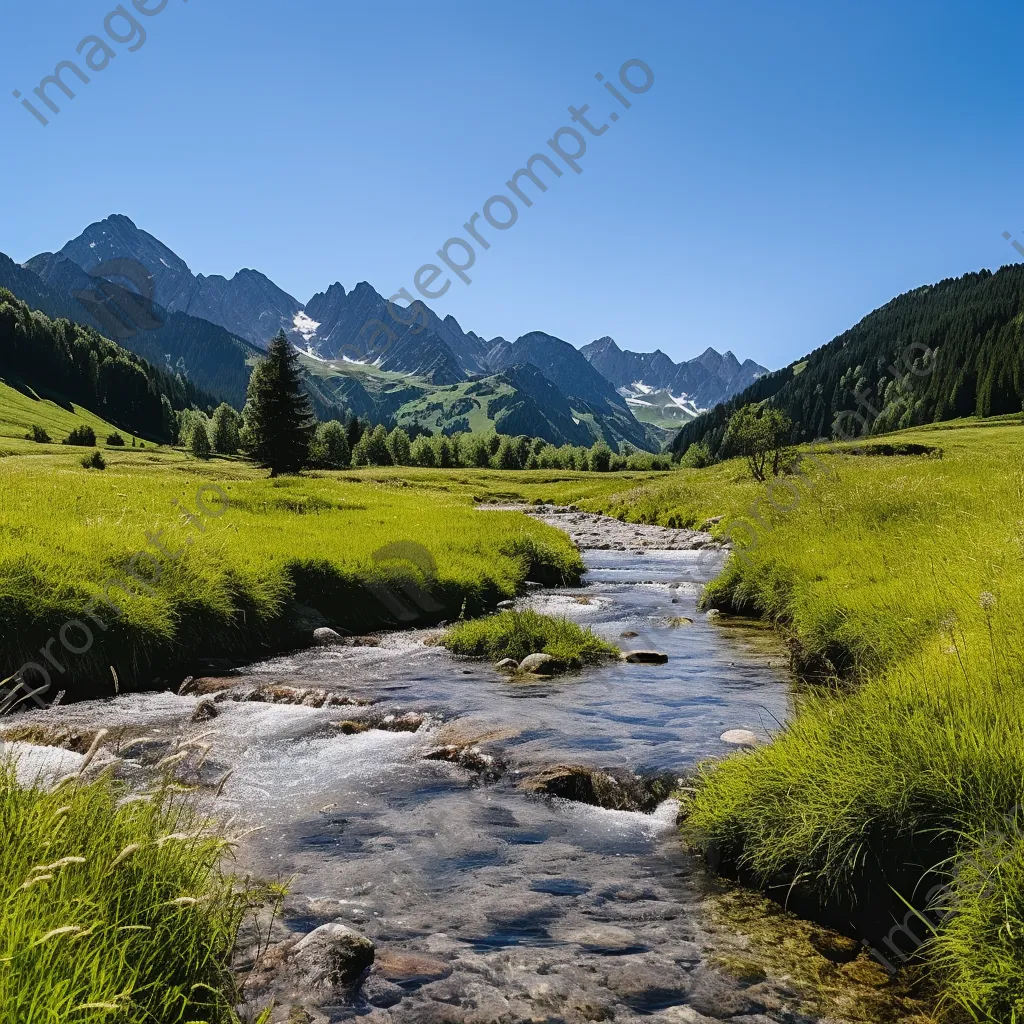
<point>621,791</point>
<point>205,710</point>
<point>333,955</point>
<point>325,636</point>
<point>645,657</point>
<point>378,991</point>
<point>713,613</point>
<point>541,664</point>
<point>409,722</point>
<point>507,665</point>
<point>680,620</point>
<point>350,727</point>
<point>629,635</point>
<point>506,605</point>
<point>410,967</point>
<point>740,738</point>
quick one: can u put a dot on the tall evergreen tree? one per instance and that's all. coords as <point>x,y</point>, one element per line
<point>278,414</point>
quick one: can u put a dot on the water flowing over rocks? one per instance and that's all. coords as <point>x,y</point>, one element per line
<point>464,844</point>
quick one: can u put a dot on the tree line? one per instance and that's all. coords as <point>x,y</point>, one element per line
<point>278,430</point>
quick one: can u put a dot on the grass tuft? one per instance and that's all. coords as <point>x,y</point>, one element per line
<point>101,918</point>
<point>512,634</point>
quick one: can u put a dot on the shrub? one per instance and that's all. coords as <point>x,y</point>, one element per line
<point>329,448</point>
<point>225,430</point>
<point>514,634</point>
<point>199,443</point>
<point>94,461</point>
<point>83,436</point>
<point>115,440</point>
<point>697,456</point>
<point>760,436</point>
<point>37,434</point>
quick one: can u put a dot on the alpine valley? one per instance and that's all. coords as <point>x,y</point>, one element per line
<point>430,375</point>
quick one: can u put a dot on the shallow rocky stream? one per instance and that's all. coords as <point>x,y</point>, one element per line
<point>488,904</point>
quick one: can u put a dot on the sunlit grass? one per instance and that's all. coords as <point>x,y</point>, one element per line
<point>903,577</point>
<point>113,910</point>
<point>334,542</point>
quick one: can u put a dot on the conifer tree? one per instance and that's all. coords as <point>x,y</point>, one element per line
<point>278,416</point>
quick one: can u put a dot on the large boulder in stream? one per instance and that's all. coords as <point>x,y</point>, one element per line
<point>332,956</point>
<point>541,665</point>
<point>612,789</point>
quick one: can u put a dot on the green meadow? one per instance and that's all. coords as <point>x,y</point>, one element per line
<point>896,578</point>
<point>240,581</point>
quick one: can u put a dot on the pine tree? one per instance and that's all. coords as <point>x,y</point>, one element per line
<point>278,415</point>
<point>378,446</point>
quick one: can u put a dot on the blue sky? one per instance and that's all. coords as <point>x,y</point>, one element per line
<point>793,166</point>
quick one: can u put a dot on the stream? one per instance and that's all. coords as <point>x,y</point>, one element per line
<point>488,904</point>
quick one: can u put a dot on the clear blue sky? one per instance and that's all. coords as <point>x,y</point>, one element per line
<point>793,166</point>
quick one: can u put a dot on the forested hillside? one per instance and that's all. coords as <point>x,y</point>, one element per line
<point>75,364</point>
<point>939,352</point>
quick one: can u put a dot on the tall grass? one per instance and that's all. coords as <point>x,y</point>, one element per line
<point>112,909</point>
<point>512,634</point>
<point>902,579</point>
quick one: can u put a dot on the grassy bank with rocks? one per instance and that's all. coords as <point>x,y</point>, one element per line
<point>899,782</point>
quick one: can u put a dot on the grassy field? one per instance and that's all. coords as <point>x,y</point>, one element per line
<point>365,549</point>
<point>901,580</point>
<point>898,579</point>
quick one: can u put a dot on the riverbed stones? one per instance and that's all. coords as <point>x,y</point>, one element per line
<point>326,637</point>
<point>541,665</point>
<point>617,791</point>
<point>409,968</point>
<point>332,956</point>
<point>644,657</point>
<point>205,711</point>
<point>740,738</point>
<point>350,727</point>
<point>507,665</point>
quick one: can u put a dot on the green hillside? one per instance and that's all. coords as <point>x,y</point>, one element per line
<point>20,411</point>
<point>520,400</point>
<point>937,353</point>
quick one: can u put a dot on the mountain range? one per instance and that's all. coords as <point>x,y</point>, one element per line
<point>358,358</point>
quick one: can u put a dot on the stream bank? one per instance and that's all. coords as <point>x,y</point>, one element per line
<point>488,904</point>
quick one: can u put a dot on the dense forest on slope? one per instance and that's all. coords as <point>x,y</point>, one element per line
<point>936,353</point>
<point>73,363</point>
